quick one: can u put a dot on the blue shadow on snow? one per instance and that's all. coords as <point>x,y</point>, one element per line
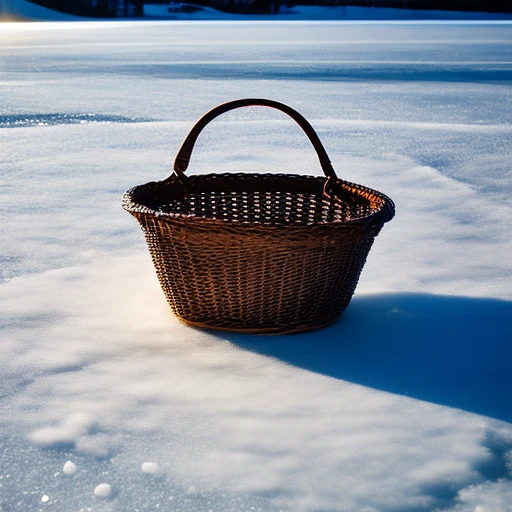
<point>453,351</point>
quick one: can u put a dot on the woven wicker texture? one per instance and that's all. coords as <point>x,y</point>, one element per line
<point>261,253</point>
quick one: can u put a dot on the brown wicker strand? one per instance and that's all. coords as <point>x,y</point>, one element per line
<point>258,253</point>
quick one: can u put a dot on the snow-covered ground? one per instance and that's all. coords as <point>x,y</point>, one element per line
<point>403,405</point>
<point>23,10</point>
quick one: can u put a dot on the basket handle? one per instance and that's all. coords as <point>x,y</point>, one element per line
<point>183,157</point>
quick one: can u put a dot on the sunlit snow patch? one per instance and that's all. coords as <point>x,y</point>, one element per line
<point>119,386</point>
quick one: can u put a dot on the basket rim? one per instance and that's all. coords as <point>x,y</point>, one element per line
<point>381,215</point>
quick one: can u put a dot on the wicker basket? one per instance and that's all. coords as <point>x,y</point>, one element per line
<point>259,253</point>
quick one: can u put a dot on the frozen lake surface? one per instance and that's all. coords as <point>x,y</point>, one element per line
<point>110,404</point>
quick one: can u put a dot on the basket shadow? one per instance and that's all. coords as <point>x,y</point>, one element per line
<point>452,351</point>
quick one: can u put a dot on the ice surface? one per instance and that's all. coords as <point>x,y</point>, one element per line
<point>402,405</point>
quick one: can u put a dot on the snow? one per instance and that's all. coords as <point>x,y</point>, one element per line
<point>151,468</point>
<point>69,468</point>
<point>102,491</point>
<point>401,405</point>
<point>496,496</point>
<point>13,10</point>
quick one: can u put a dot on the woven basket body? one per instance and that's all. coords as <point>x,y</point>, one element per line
<point>258,253</point>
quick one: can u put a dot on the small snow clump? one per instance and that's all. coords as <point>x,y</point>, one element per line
<point>69,468</point>
<point>103,491</point>
<point>151,468</point>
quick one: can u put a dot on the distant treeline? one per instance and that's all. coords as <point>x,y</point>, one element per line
<point>134,8</point>
<point>273,6</point>
<point>96,8</point>
<point>436,5</point>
